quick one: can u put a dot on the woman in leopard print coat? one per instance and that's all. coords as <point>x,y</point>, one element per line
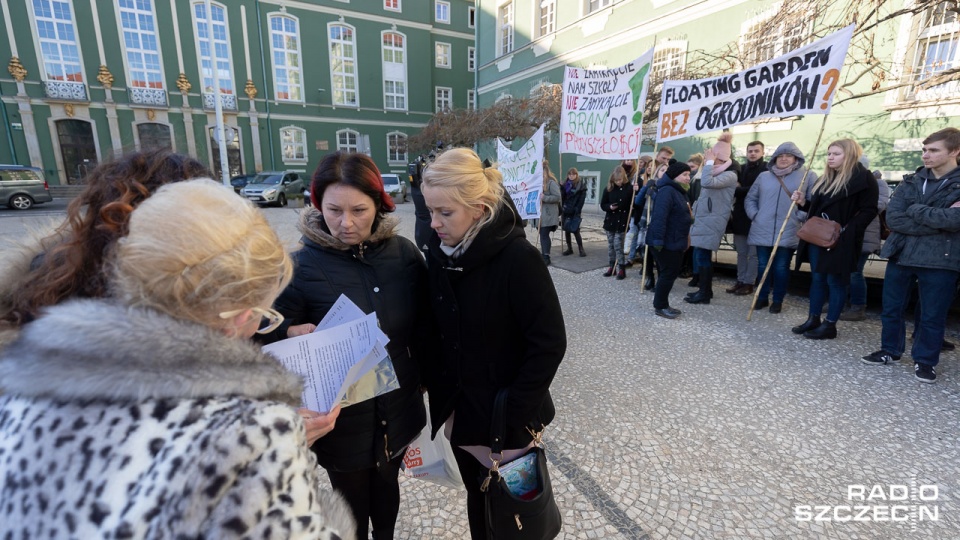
<point>151,415</point>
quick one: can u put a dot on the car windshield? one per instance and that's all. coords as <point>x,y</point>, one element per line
<point>267,179</point>
<point>391,180</point>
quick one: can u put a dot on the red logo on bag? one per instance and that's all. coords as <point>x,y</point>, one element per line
<point>411,459</point>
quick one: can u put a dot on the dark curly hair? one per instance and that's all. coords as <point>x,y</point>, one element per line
<point>96,219</point>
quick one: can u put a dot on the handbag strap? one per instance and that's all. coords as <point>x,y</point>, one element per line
<point>784,186</point>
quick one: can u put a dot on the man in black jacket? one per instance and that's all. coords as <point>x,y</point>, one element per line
<point>740,223</point>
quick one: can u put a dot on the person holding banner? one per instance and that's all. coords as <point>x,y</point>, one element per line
<point>499,316</point>
<point>767,205</point>
<point>615,201</point>
<point>846,194</point>
<point>549,210</point>
<point>712,212</point>
<point>573,195</point>
<point>668,234</point>
<point>350,247</point>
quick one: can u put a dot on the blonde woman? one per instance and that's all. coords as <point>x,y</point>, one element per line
<point>498,311</point>
<point>846,193</point>
<point>615,201</point>
<point>163,419</point>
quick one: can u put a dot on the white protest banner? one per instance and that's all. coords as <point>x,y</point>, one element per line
<point>800,82</point>
<point>523,174</point>
<point>602,112</point>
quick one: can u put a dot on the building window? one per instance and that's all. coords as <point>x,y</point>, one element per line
<point>397,147</point>
<point>444,98</point>
<point>220,45</point>
<point>343,64</point>
<point>775,33</point>
<point>548,17</point>
<point>154,136</point>
<point>394,71</point>
<point>471,100</point>
<point>938,35</point>
<point>293,140</point>
<point>77,149</point>
<point>285,46</point>
<point>347,141</point>
<point>597,5</point>
<point>668,62</point>
<point>472,17</point>
<point>391,5</point>
<point>58,41</point>
<point>442,55</point>
<point>139,29</point>
<point>471,59</point>
<point>505,21</point>
<point>442,11</point>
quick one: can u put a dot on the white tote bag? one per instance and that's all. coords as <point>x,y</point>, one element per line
<point>432,460</point>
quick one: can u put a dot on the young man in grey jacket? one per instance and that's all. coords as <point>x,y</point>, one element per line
<point>924,217</point>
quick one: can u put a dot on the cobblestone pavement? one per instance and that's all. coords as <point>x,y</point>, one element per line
<point>713,427</point>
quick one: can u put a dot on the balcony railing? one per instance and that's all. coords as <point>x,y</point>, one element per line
<point>148,96</point>
<point>227,101</point>
<point>67,90</point>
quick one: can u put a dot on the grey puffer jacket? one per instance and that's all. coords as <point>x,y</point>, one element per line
<point>767,203</point>
<point>871,237</point>
<point>925,230</point>
<point>550,207</point>
<point>712,210</point>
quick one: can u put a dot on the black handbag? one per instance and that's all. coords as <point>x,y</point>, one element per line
<point>571,224</point>
<point>531,516</point>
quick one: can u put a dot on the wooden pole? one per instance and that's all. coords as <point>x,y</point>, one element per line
<point>793,204</point>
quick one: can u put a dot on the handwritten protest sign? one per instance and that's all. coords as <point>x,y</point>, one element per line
<point>523,174</point>
<point>602,114</point>
<point>800,82</point>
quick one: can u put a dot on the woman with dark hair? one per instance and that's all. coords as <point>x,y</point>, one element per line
<point>574,194</point>
<point>350,247</point>
<point>70,262</point>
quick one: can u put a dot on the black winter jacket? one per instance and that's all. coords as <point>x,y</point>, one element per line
<point>739,220</point>
<point>501,327</point>
<point>572,203</point>
<point>854,209</point>
<point>386,274</point>
<point>670,220</point>
<point>926,230</point>
<point>622,196</point>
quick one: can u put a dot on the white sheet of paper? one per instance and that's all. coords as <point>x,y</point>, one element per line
<point>324,359</point>
<point>343,310</point>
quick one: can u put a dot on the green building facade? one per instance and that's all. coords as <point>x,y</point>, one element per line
<point>524,44</point>
<point>90,79</point>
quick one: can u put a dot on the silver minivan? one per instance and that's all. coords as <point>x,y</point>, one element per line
<point>22,187</point>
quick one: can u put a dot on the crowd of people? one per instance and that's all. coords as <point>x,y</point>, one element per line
<point>684,209</point>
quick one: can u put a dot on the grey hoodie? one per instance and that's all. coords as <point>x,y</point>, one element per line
<point>767,202</point>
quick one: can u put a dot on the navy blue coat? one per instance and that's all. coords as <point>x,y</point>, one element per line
<point>670,220</point>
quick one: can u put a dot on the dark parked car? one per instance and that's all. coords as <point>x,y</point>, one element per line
<point>240,182</point>
<point>22,187</point>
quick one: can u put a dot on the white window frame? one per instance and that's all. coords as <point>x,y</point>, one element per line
<point>406,151</point>
<point>441,59</point>
<point>675,61</point>
<point>399,4</point>
<point>538,23</point>
<point>592,180</point>
<point>471,17</point>
<point>286,67</point>
<point>779,43</point>
<point>128,62</point>
<point>345,76</point>
<point>437,90</point>
<point>471,58</point>
<point>59,42</point>
<point>294,132</point>
<point>226,82</point>
<point>601,5</point>
<point>394,72</point>
<point>437,5</point>
<point>506,22</point>
<point>923,35</point>
<point>347,147</point>
<point>471,100</point>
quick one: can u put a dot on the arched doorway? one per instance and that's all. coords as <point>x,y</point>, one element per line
<point>77,149</point>
<point>234,160</point>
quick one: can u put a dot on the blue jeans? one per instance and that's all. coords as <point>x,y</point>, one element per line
<point>821,284</point>
<point>858,283</point>
<point>779,272</point>
<point>634,240</point>
<point>702,258</point>
<point>937,288</point>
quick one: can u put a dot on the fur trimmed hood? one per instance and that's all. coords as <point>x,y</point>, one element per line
<point>87,349</point>
<point>311,226</point>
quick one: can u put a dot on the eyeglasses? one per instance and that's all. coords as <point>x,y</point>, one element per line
<point>270,319</point>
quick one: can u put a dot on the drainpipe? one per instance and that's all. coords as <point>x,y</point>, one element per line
<point>6,127</point>
<point>266,97</point>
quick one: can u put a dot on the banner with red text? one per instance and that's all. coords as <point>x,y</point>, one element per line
<point>802,81</point>
<point>602,114</point>
<point>523,174</point>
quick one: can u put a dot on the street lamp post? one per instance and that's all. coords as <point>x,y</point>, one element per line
<point>217,105</point>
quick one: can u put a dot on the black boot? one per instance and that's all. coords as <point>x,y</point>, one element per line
<point>827,330</point>
<point>569,250</point>
<point>648,284</point>
<point>705,293</point>
<point>582,252</point>
<point>609,271</point>
<point>812,322</point>
<point>695,282</point>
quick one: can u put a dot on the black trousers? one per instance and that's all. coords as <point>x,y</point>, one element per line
<point>668,264</point>
<point>373,496</point>
<point>472,472</point>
